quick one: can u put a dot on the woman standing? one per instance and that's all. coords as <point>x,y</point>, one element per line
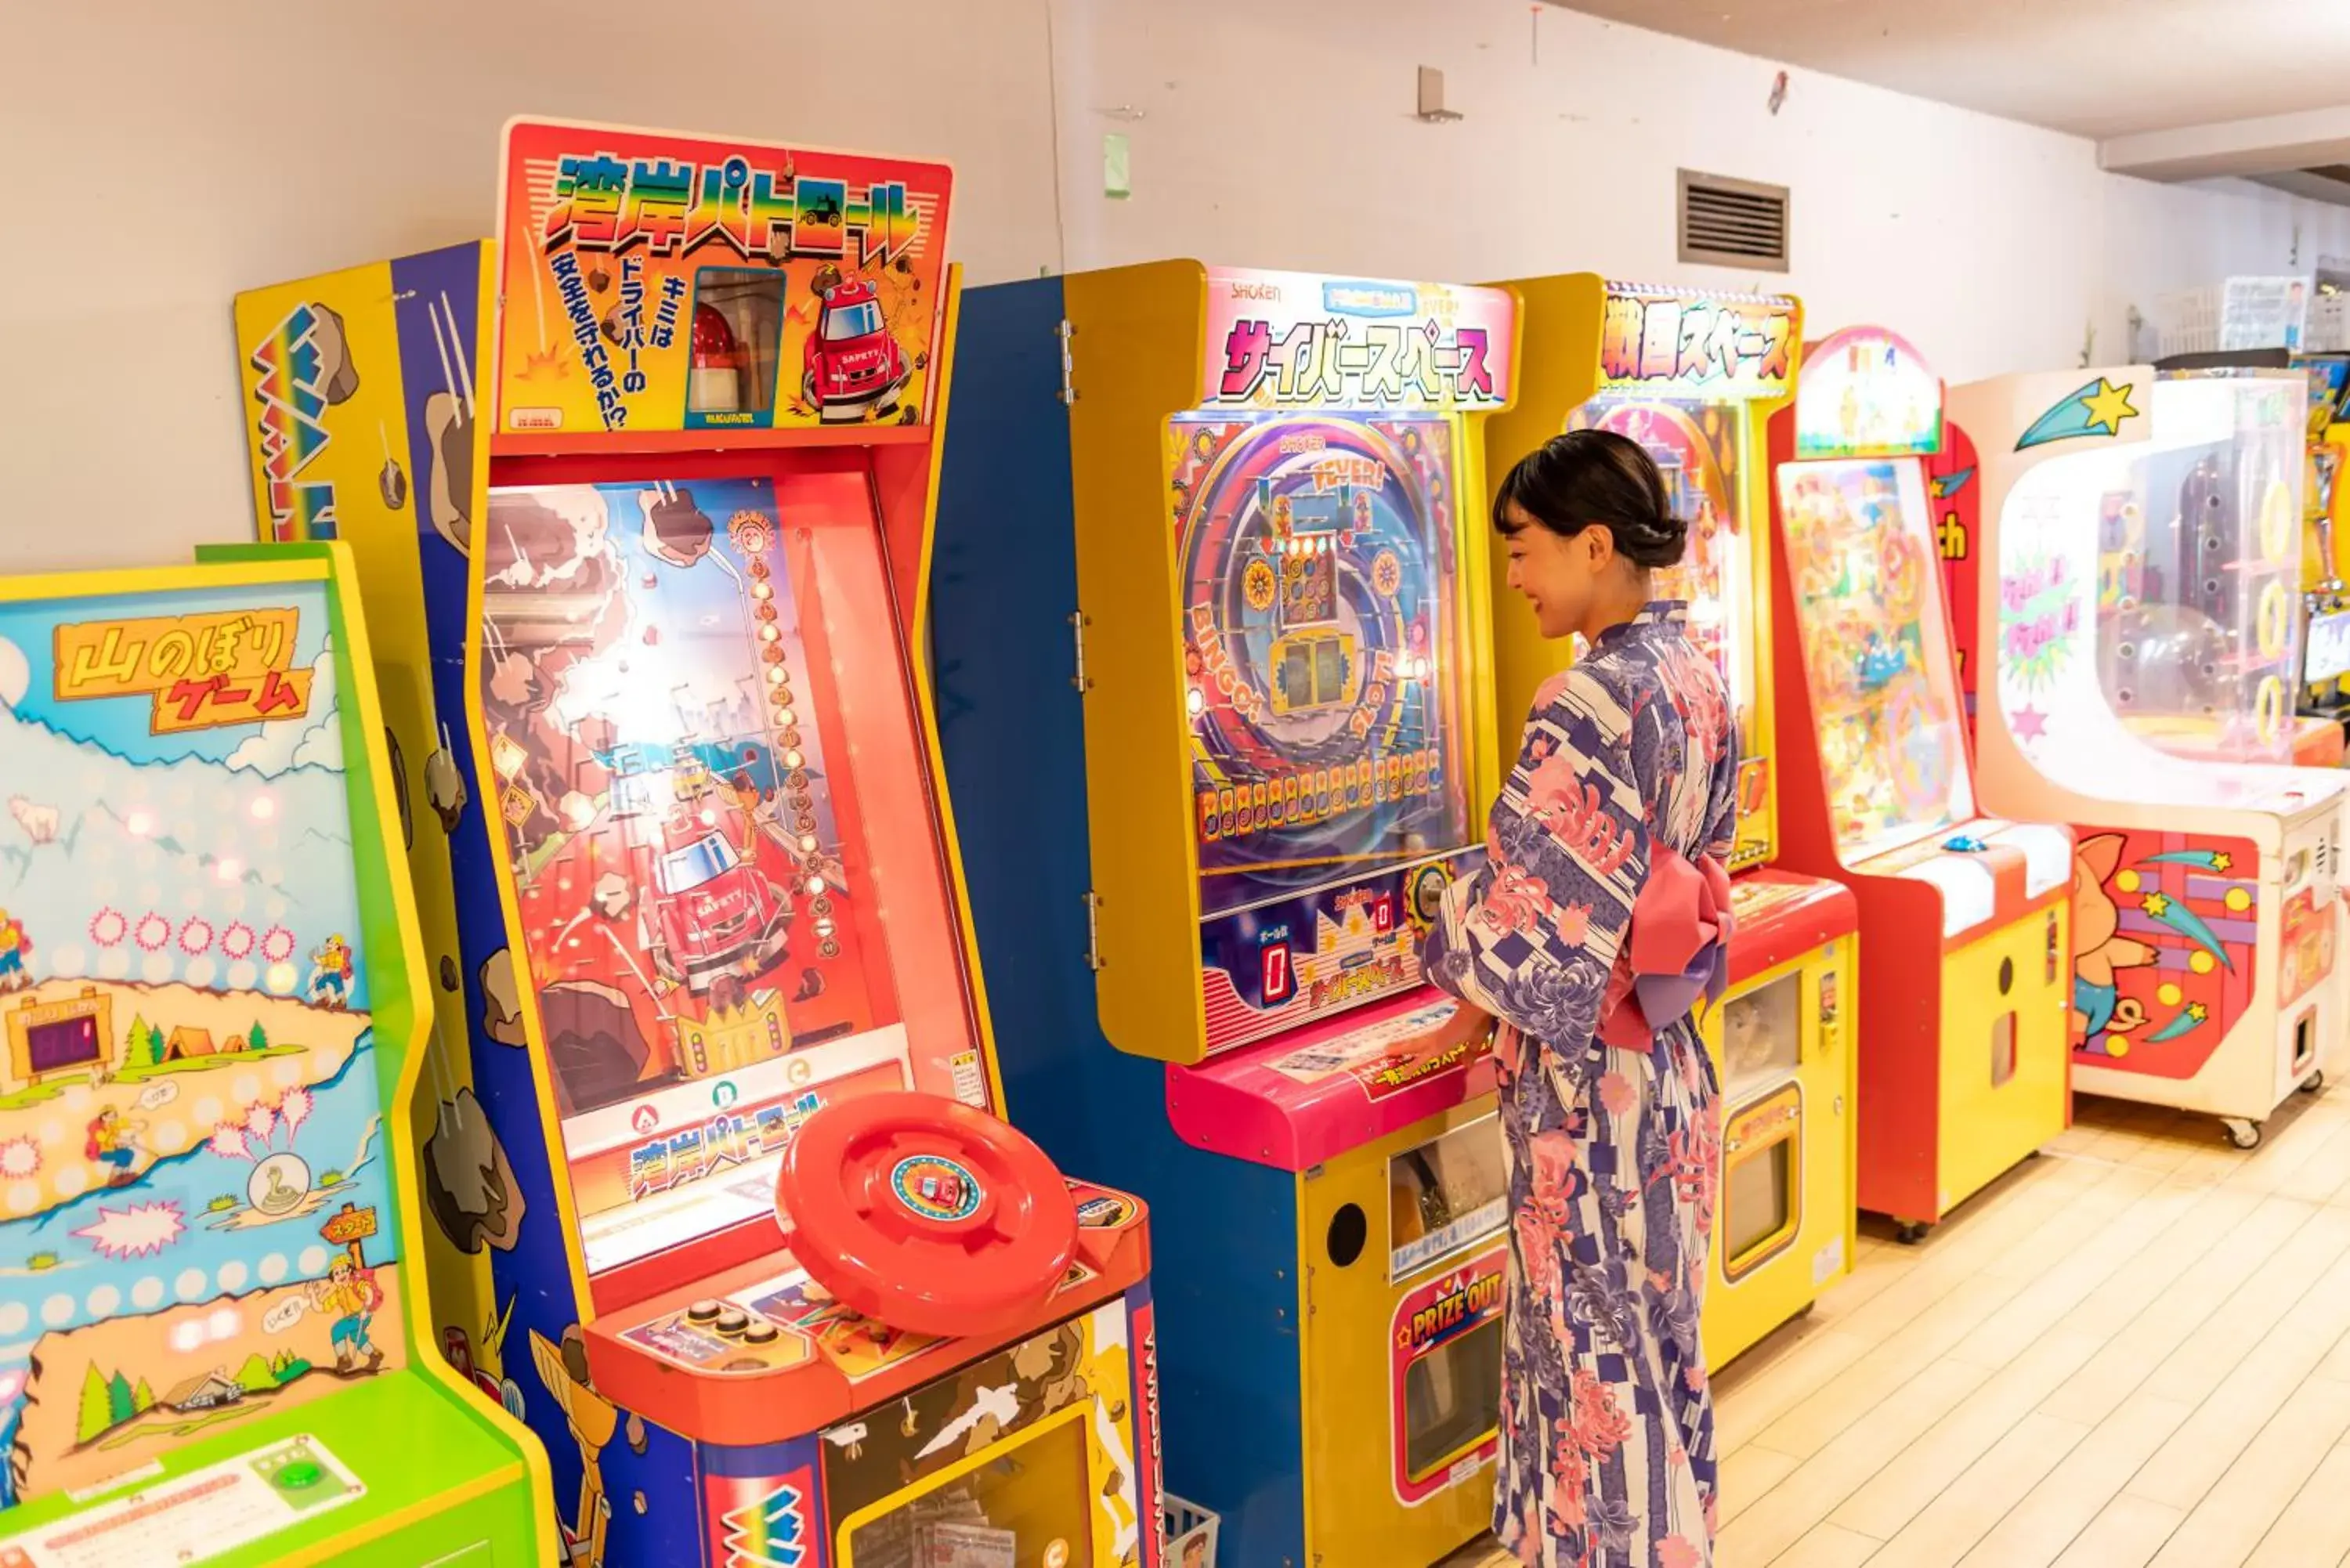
<point>1598,924</point>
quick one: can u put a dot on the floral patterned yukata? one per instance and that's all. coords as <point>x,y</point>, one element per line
<point>1598,924</point>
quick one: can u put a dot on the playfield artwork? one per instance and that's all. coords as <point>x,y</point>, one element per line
<point>1891,749</point>
<point>197,1223</point>
<point>659,748</point>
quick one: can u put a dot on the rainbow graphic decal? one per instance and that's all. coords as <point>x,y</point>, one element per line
<point>300,370</point>
<point>761,1523</point>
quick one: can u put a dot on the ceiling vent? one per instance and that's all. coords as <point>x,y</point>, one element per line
<point>1733,223</point>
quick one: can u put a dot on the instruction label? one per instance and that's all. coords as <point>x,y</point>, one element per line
<point>197,1517</point>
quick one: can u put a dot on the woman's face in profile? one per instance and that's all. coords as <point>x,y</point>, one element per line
<point>1557,574</point>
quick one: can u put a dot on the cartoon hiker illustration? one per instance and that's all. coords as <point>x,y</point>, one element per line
<point>2099,1008</point>
<point>112,1140</point>
<point>13,945</point>
<point>330,973</point>
<point>350,1293</point>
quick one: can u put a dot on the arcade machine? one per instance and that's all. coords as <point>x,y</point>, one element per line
<point>771,1276</point>
<point>2325,599</point>
<point>2130,546</point>
<point>214,1004</point>
<point>1257,510</point>
<point>1639,361</point>
<point>1962,1062</point>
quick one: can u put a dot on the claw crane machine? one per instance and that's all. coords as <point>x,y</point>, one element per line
<point>1691,377</point>
<point>766,1268</point>
<point>1963,984</point>
<point>215,1008</point>
<point>1205,586</point>
<point>2131,546</point>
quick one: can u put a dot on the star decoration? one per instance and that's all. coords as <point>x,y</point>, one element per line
<point>2031,724</point>
<point>2197,1011</point>
<point>2157,903</point>
<point>2221,860</point>
<point>2107,407</point>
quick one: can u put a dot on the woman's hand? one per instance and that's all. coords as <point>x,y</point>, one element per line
<point>1466,1027</point>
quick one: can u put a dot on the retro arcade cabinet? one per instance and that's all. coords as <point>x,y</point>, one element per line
<point>2132,554</point>
<point>771,1276</point>
<point>1962,998</point>
<point>1259,505</point>
<point>215,1006</point>
<point>1639,361</point>
<point>2325,599</point>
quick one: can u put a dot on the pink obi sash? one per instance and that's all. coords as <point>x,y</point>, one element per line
<point>1676,950</point>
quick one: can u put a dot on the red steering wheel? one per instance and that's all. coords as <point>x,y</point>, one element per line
<point>926,1215</point>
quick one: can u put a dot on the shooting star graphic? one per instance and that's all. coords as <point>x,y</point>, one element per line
<point>1949,484</point>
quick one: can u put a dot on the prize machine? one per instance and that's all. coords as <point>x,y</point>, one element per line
<point>2325,599</point>
<point>1259,505</point>
<point>771,1276</point>
<point>215,1009</point>
<point>1963,1065</point>
<point>1691,377</point>
<point>2129,550</point>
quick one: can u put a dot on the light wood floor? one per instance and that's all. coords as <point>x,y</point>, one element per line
<point>2132,1353</point>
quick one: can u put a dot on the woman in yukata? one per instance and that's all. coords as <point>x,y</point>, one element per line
<point>1597,925</point>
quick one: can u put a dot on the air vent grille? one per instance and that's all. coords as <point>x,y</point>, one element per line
<point>1733,223</point>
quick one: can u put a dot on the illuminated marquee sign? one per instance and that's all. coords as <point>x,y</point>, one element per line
<point>204,671</point>
<point>1297,340</point>
<point>1867,393</point>
<point>1667,343</point>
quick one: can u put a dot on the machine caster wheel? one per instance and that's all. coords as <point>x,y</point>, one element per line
<point>2314,1083</point>
<point>1910,1233</point>
<point>2243,1134</point>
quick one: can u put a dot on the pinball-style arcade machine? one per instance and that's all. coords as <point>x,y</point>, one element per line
<point>771,1276</point>
<point>215,1006</point>
<point>2129,548</point>
<point>1691,377</point>
<point>1963,984</point>
<point>1264,509</point>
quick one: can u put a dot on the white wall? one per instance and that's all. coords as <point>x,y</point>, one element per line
<point>236,145</point>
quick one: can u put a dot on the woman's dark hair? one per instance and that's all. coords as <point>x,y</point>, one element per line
<point>1572,481</point>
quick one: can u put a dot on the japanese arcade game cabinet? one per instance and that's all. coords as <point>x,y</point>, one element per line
<point>2130,547</point>
<point>771,1276</point>
<point>1641,361</point>
<point>215,1008</point>
<point>1962,1057</point>
<point>2325,599</point>
<point>1259,503</point>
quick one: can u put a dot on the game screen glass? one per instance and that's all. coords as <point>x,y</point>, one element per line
<point>2149,592</point>
<point>1700,449</point>
<point>1876,648</point>
<point>199,1223</point>
<point>1321,646</point>
<point>2199,573</point>
<point>671,677</point>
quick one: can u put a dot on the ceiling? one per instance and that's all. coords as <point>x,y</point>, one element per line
<point>2097,68</point>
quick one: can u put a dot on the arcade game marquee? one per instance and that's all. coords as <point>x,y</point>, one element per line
<point>767,1270</point>
<point>1691,377</point>
<point>1962,1057</point>
<point>1261,510</point>
<point>2131,548</point>
<point>214,1004</point>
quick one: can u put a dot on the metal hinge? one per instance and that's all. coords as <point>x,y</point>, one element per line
<point>1068,362</point>
<point>1093,961</point>
<point>1079,621</point>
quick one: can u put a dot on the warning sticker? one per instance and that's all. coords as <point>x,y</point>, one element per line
<point>196,1516</point>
